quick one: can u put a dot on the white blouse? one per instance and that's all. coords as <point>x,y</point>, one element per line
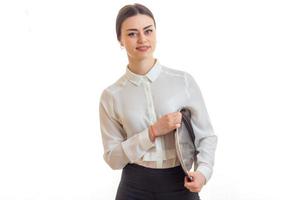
<point>134,102</point>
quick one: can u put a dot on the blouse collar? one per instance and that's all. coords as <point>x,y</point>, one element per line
<point>150,76</point>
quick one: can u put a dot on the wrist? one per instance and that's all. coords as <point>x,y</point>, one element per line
<point>201,178</point>
<point>152,133</point>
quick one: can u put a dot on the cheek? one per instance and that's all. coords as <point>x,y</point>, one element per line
<point>127,41</point>
<point>153,42</point>
<point>129,44</point>
<point>130,48</point>
<point>153,39</point>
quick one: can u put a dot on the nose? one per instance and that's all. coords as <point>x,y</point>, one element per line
<point>142,38</point>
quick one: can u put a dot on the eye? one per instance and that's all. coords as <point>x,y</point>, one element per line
<point>148,31</point>
<point>132,34</point>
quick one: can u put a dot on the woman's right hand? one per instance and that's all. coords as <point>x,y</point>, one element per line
<point>167,123</point>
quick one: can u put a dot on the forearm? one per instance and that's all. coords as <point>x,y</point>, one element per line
<point>206,156</point>
<point>118,154</point>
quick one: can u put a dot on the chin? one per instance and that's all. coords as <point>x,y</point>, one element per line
<point>142,57</point>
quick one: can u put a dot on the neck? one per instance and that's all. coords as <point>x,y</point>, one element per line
<point>141,67</point>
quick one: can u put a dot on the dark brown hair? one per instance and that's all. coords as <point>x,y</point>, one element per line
<point>129,11</point>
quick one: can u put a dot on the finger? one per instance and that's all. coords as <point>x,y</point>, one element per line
<point>186,182</point>
<point>174,125</point>
<point>179,117</point>
<point>177,125</point>
<point>192,189</point>
<point>189,184</point>
<point>186,179</point>
<point>197,190</point>
<point>192,174</point>
<point>176,119</point>
<point>175,114</point>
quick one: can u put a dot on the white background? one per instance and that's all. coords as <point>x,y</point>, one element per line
<point>57,56</point>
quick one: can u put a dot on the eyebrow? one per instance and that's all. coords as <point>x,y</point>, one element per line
<point>134,29</point>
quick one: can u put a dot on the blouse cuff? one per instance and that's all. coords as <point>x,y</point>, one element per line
<point>136,146</point>
<point>145,140</point>
<point>206,171</point>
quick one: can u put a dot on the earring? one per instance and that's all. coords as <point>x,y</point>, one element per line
<point>121,47</point>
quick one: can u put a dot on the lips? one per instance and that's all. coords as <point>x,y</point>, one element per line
<point>143,48</point>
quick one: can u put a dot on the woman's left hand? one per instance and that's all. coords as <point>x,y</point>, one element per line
<point>197,183</point>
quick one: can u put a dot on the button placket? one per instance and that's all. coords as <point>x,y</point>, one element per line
<point>152,115</point>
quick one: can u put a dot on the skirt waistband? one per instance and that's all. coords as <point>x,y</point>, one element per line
<point>140,168</point>
<point>152,179</point>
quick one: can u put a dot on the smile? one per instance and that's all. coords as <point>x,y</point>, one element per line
<point>143,48</point>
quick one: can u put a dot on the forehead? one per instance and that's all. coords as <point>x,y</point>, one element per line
<point>137,22</point>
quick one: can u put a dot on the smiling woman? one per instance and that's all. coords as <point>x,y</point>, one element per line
<point>139,113</point>
<point>135,29</point>
<point>138,37</point>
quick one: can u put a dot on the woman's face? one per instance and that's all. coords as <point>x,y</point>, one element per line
<point>138,37</point>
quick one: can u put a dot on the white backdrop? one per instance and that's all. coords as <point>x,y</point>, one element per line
<point>57,56</point>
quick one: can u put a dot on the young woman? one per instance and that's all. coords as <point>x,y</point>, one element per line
<point>139,113</point>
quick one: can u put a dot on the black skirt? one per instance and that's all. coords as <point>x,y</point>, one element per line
<point>142,183</point>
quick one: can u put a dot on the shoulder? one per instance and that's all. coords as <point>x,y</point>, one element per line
<point>110,91</point>
<point>171,72</point>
